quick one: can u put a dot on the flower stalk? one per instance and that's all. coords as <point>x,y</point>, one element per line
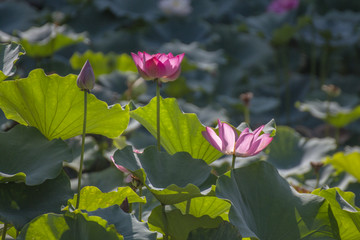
<point>82,150</point>
<point>158,84</point>
<point>233,162</point>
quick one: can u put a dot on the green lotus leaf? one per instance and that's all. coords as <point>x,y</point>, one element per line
<point>292,154</point>
<point>9,54</point>
<point>69,226</point>
<point>264,206</point>
<point>44,41</point>
<point>126,224</point>
<point>331,112</point>
<point>20,203</point>
<point>180,132</point>
<point>171,178</point>
<point>54,105</point>
<point>163,169</point>
<point>103,64</point>
<point>344,210</point>
<point>206,205</point>
<point>179,225</point>
<point>27,156</point>
<point>225,231</point>
<point>346,162</point>
<point>92,198</point>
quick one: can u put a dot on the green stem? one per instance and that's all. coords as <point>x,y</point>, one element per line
<point>82,150</point>
<point>158,112</point>
<point>313,59</point>
<point>188,203</point>
<point>233,162</point>
<point>324,59</point>
<point>140,204</point>
<point>166,237</point>
<point>247,115</point>
<point>317,180</point>
<point>4,231</point>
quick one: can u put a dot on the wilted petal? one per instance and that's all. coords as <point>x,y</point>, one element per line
<point>212,138</point>
<point>121,168</point>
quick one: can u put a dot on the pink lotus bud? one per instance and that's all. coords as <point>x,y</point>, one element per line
<point>282,6</point>
<point>161,66</point>
<point>86,77</point>
<point>229,142</point>
<point>122,169</point>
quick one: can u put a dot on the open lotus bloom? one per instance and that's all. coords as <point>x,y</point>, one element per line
<point>282,6</point>
<point>230,142</point>
<point>161,66</point>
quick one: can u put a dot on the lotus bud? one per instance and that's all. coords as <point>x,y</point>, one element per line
<point>86,77</point>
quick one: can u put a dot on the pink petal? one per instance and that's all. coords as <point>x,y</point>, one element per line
<point>243,144</point>
<point>212,138</point>
<point>154,68</point>
<point>146,56</point>
<point>121,168</point>
<point>228,135</point>
<point>258,131</point>
<point>138,60</point>
<point>262,142</point>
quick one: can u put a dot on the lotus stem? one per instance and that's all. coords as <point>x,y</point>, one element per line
<point>317,180</point>
<point>140,204</point>
<point>324,60</point>
<point>247,115</point>
<point>4,231</point>
<point>188,203</point>
<point>166,227</point>
<point>82,150</point>
<point>233,162</point>
<point>158,113</point>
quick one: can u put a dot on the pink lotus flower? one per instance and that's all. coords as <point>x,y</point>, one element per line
<point>165,67</point>
<point>230,143</point>
<point>282,6</point>
<point>86,77</point>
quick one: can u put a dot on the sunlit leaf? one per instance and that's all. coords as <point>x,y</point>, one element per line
<point>180,225</point>
<point>346,162</point>
<point>55,106</point>
<point>264,206</point>
<point>27,156</point>
<point>126,224</point>
<point>103,64</point>
<point>292,154</point>
<point>343,208</point>
<point>331,112</point>
<point>180,132</point>
<point>92,198</point>
<point>207,205</point>
<point>44,41</point>
<point>9,54</point>
<point>20,203</point>
<point>70,226</point>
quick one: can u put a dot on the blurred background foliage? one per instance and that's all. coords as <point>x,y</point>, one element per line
<point>242,63</point>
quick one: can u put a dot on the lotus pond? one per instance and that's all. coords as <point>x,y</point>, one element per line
<point>180,119</point>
